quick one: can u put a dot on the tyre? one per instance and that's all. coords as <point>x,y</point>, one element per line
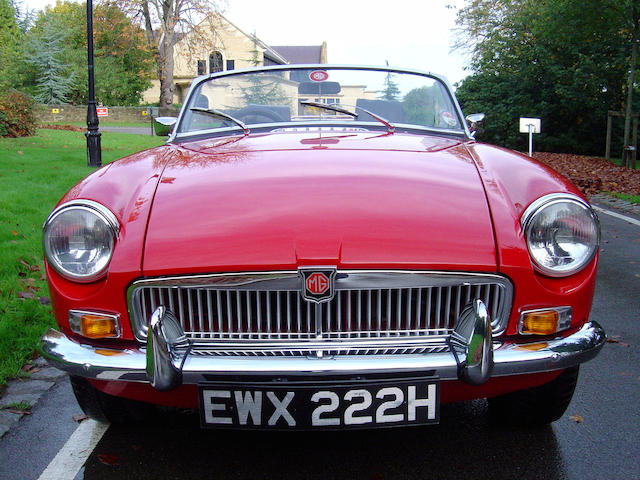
<point>535,406</point>
<point>107,408</point>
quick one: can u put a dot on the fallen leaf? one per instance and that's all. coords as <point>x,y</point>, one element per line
<point>577,418</point>
<point>20,152</point>
<point>14,233</point>
<point>616,339</point>
<point>32,268</point>
<point>110,460</point>
<point>80,418</point>
<point>18,412</point>
<point>26,295</point>
<point>44,300</point>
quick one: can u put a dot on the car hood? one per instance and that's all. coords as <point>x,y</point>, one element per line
<point>353,200</point>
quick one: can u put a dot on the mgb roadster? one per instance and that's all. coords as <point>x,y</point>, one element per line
<point>322,247</point>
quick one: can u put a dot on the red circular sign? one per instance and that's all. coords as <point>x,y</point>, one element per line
<point>318,75</point>
<point>317,283</point>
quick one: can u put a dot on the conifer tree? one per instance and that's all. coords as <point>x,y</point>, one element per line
<point>53,83</point>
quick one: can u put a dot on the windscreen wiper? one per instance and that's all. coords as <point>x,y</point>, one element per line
<point>222,115</point>
<point>340,109</point>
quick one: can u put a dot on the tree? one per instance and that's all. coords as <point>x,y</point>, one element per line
<point>54,80</point>
<point>10,38</point>
<point>262,89</point>
<point>390,90</point>
<point>165,21</point>
<point>631,9</point>
<point>123,62</point>
<point>564,61</point>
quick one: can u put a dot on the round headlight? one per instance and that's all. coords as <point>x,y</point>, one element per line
<point>78,240</point>
<point>562,234</point>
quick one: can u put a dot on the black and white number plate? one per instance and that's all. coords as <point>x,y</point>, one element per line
<point>294,405</point>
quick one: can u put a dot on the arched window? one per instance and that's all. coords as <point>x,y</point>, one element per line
<point>215,62</point>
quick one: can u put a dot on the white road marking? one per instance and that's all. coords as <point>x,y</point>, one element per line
<point>71,458</point>
<point>617,215</point>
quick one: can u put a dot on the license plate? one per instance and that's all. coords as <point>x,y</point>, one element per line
<point>293,405</point>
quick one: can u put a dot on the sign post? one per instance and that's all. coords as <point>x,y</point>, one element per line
<point>530,126</point>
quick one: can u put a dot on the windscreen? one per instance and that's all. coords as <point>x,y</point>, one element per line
<point>295,97</point>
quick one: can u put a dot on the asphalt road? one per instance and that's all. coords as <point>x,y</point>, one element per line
<point>606,444</point>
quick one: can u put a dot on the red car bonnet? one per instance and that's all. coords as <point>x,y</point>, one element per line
<point>355,200</point>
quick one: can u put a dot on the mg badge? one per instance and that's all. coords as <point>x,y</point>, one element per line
<point>317,283</point>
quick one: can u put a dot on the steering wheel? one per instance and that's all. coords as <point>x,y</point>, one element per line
<point>255,114</point>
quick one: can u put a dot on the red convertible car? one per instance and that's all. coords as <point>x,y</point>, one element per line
<point>322,247</point>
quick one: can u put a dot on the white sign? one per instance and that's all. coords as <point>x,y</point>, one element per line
<point>102,111</point>
<point>529,125</point>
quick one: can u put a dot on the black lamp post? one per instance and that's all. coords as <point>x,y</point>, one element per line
<point>94,154</point>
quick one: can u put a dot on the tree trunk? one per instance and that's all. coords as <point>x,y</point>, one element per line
<point>150,35</point>
<point>166,69</point>
<point>632,74</point>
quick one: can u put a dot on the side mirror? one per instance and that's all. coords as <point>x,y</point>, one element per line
<point>162,126</point>
<point>473,120</point>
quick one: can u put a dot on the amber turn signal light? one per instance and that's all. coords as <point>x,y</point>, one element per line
<point>94,324</point>
<point>545,321</point>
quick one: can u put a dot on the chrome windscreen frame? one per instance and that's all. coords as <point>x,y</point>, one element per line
<point>176,136</point>
<point>345,280</point>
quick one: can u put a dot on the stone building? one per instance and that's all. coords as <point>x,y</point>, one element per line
<point>217,45</point>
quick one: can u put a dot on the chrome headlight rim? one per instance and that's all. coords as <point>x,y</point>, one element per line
<point>526,221</point>
<point>100,211</point>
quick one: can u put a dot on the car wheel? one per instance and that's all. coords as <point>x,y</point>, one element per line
<point>107,408</point>
<point>535,406</point>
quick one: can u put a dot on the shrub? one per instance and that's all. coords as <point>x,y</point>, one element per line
<point>16,115</point>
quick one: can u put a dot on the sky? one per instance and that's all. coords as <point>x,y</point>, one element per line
<point>406,33</point>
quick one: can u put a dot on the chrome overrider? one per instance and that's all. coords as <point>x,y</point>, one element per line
<point>474,356</point>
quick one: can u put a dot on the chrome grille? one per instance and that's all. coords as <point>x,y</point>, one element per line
<point>264,313</point>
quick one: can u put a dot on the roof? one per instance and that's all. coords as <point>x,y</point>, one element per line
<point>297,54</point>
<point>269,51</point>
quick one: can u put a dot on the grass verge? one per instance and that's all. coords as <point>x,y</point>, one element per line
<point>625,196</point>
<point>105,123</point>
<point>618,161</point>
<point>34,173</point>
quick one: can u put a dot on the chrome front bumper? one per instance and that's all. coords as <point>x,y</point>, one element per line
<point>160,366</point>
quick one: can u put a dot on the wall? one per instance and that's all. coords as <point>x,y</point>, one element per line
<point>78,113</point>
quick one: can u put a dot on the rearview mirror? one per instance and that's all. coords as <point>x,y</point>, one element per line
<point>162,126</point>
<point>319,88</point>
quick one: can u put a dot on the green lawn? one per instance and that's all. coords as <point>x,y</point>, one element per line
<point>106,123</point>
<point>618,161</point>
<point>626,196</point>
<point>34,173</point>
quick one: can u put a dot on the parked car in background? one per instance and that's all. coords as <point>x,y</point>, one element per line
<point>322,247</point>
